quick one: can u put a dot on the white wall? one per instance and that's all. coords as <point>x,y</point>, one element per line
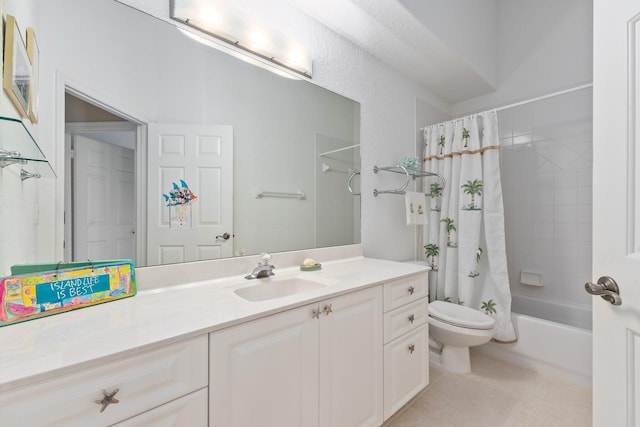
<point>18,199</point>
<point>547,183</point>
<point>543,46</point>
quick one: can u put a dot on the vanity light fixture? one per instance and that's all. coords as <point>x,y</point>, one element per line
<point>241,32</point>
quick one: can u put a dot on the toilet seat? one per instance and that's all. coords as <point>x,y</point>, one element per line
<point>458,315</point>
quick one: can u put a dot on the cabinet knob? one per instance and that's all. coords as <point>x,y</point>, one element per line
<point>412,318</point>
<point>412,348</point>
<point>411,290</point>
<point>315,313</point>
<point>108,399</point>
<point>327,309</point>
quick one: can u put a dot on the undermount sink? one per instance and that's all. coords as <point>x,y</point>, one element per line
<point>266,289</point>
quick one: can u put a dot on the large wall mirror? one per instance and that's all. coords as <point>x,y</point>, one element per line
<point>268,157</point>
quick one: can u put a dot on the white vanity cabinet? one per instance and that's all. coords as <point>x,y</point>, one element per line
<point>144,382</point>
<point>320,364</point>
<point>406,341</point>
<point>189,410</point>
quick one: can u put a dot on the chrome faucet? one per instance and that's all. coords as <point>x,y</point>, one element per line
<point>264,269</point>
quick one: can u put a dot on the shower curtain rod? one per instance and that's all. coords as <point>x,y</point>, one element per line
<point>529,101</point>
<point>543,97</point>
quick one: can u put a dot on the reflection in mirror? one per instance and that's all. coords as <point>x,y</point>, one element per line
<point>268,157</point>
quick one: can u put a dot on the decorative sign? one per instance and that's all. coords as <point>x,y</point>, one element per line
<point>34,293</point>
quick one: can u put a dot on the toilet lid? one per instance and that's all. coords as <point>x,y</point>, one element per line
<point>459,315</point>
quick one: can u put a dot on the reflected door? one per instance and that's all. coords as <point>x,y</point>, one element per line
<point>202,157</point>
<point>103,202</point>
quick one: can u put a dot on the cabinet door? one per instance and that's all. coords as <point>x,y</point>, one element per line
<point>265,372</point>
<point>351,359</point>
<point>406,368</point>
<point>190,410</point>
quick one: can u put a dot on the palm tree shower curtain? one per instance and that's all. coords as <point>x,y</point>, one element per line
<point>465,239</point>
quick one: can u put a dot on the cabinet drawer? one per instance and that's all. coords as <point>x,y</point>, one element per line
<point>190,410</point>
<point>144,381</point>
<point>401,320</point>
<point>401,292</point>
<point>406,368</point>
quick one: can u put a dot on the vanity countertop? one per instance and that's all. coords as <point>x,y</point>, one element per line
<point>51,346</point>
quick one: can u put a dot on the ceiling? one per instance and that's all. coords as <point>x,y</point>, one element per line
<point>394,34</point>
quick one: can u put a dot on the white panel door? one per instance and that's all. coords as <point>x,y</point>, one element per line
<point>104,205</point>
<point>265,372</point>
<point>202,156</point>
<point>351,347</point>
<point>616,220</point>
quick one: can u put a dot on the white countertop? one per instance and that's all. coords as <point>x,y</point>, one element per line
<point>55,345</point>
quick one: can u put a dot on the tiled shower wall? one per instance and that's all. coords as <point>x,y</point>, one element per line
<point>546,163</point>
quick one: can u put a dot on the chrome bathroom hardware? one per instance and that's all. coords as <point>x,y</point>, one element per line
<point>264,268</point>
<point>396,169</point>
<point>26,175</point>
<point>327,309</point>
<point>412,348</point>
<point>10,157</point>
<point>350,182</point>
<point>223,236</point>
<point>409,174</point>
<point>286,195</point>
<point>338,150</point>
<point>315,313</point>
<point>607,288</point>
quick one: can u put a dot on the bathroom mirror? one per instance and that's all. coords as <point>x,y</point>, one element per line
<point>289,137</point>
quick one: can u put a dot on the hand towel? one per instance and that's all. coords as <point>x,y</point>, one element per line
<point>416,208</point>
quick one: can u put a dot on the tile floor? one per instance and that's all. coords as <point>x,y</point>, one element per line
<point>496,394</point>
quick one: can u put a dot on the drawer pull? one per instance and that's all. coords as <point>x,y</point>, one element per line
<point>315,313</point>
<point>411,290</point>
<point>327,309</point>
<point>412,348</point>
<point>108,399</point>
<point>412,318</point>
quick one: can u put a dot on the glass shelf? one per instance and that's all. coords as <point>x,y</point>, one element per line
<point>18,147</point>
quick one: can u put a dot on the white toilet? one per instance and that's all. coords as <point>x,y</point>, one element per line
<point>457,328</point>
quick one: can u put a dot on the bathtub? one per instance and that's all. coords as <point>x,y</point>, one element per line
<point>551,348</point>
<point>578,316</point>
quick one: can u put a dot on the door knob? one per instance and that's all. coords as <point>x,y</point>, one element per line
<point>224,236</point>
<point>607,288</point>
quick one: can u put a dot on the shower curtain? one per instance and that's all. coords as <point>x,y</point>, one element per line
<point>465,238</point>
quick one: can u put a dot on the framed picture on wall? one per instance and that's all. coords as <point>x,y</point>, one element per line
<point>34,90</point>
<point>17,67</point>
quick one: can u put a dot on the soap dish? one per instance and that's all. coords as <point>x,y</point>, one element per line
<point>312,268</point>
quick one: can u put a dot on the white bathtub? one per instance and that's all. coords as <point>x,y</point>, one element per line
<point>551,348</point>
<point>573,315</point>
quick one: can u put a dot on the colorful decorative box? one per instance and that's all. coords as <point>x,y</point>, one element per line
<point>38,290</point>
